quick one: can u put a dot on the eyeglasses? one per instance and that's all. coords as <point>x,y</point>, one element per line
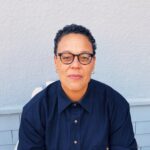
<point>67,57</point>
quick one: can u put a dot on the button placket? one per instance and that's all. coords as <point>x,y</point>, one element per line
<point>76,113</point>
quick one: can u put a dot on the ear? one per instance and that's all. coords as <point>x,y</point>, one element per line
<point>94,59</point>
<point>94,62</point>
<point>55,59</point>
<point>55,63</point>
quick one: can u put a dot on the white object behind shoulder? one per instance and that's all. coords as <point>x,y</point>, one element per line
<point>38,89</point>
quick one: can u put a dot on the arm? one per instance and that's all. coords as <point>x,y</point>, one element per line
<point>31,133</point>
<point>121,132</point>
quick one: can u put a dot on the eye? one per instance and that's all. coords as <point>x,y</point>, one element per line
<point>85,57</point>
<point>66,57</point>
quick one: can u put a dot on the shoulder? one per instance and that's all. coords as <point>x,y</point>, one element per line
<point>110,95</point>
<point>42,99</point>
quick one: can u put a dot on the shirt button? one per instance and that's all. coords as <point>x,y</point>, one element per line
<point>75,141</point>
<point>75,121</point>
<point>75,104</point>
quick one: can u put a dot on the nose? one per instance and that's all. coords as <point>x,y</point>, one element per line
<point>75,62</point>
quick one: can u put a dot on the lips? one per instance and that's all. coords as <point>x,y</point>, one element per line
<point>75,76</point>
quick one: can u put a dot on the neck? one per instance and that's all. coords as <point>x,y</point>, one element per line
<point>75,95</point>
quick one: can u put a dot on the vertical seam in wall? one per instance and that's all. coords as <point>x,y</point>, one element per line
<point>20,117</point>
<point>135,127</point>
<point>12,136</point>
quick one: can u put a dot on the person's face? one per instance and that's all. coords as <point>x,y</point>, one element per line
<point>74,76</point>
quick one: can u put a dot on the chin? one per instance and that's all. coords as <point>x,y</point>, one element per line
<point>75,86</point>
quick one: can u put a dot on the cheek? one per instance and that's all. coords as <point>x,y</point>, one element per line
<point>89,70</point>
<point>62,70</point>
<point>87,73</point>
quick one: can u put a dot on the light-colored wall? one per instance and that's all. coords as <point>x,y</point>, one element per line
<point>27,29</point>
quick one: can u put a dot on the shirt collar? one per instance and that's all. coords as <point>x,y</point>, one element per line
<point>87,99</point>
<point>64,101</point>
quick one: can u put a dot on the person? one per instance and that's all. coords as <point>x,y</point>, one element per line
<point>76,112</point>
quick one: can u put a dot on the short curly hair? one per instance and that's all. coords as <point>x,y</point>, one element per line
<point>74,28</point>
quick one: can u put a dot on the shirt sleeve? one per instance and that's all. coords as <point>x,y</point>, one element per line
<point>121,130</point>
<point>31,133</point>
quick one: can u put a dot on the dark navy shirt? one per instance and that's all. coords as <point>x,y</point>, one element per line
<point>51,121</point>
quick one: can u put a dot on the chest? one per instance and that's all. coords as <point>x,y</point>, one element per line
<point>77,129</point>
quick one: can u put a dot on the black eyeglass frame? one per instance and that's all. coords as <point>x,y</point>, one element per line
<point>74,55</point>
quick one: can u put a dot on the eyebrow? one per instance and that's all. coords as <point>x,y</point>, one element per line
<point>67,51</point>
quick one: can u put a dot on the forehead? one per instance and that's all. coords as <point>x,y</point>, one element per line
<point>74,43</point>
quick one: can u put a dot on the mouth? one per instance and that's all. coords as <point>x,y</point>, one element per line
<point>75,76</point>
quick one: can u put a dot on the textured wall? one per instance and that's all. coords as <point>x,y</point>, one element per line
<point>27,29</point>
